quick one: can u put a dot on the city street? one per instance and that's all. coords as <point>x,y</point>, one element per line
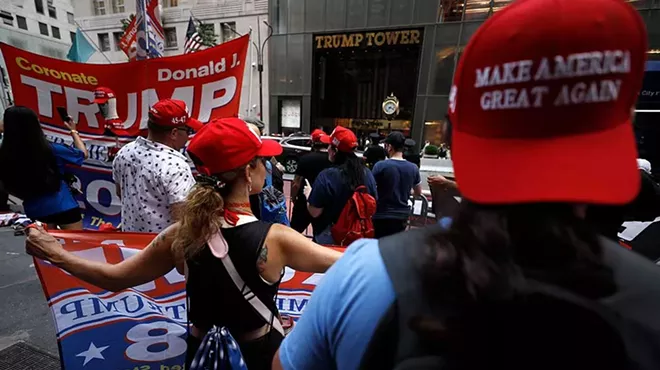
<point>26,316</point>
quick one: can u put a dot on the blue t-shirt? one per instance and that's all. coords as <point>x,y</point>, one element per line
<point>331,193</point>
<point>62,200</point>
<point>395,179</point>
<point>343,313</point>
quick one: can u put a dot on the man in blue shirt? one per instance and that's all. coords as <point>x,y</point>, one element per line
<point>395,178</point>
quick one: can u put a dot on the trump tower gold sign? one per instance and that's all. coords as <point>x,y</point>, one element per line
<point>368,39</point>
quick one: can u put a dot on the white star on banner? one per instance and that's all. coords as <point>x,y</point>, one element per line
<point>92,353</point>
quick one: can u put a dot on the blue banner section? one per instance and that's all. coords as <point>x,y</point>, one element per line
<point>97,196</point>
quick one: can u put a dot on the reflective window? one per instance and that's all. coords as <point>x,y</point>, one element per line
<point>277,46</point>
<point>434,125</point>
<point>104,41</point>
<point>43,29</point>
<point>426,11</point>
<point>52,12</point>
<point>477,9</point>
<point>279,15</point>
<point>55,32</point>
<point>117,38</point>
<point>469,28</point>
<point>444,58</point>
<point>21,22</point>
<point>451,10</point>
<point>170,38</point>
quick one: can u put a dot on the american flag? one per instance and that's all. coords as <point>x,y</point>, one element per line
<point>193,39</point>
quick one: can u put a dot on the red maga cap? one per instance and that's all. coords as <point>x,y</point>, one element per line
<point>102,95</point>
<point>173,113</point>
<point>343,139</point>
<point>226,144</point>
<point>542,101</point>
<point>319,136</point>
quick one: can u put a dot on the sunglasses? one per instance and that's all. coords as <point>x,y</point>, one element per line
<point>187,130</point>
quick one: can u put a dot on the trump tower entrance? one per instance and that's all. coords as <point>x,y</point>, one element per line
<point>354,72</point>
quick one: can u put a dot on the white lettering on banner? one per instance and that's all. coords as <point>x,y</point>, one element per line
<point>44,90</point>
<point>146,336</point>
<point>213,67</point>
<point>596,63</point>
<point>84,310</point>
<point>210,102</point>
<point>150,97</point>
<point>75,108</point>
<point>92,194</point>
<point>132,111</point>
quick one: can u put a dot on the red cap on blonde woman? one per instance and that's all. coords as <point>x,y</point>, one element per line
<point>226,144</point>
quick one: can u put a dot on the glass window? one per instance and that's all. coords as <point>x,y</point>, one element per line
<point>402,11</point>
<point>444,57</point>
<point>290,119</point>
<point>118,6</point>
<point>450,11</point>
<point>72,35</point>
<point>56,32</point>
<point>22,22</point>
<point>469,28</point>
<point>477,9</point>
<point>52,12</point>
<point>228,31</point>
<point>170,3</point>
<point>39,6</point>
<point>296,16</point>
<point>335,14</point>
<point>70,19</point>
<point>117,38</point>
<point>500,4</point>
<point>104,42</point>
<point>426,11</point>
<point>7,18</point>
<point>314,12</point>
<point>170,37</point>
<point>43,29</point>
<point>295,64</point>
<point>357,9</point>
<point>434,121</point>
<point>377,13</point>
<point>99,7</point>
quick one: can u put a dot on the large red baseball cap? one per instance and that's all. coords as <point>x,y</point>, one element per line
<point>226,144</point>
<point>343,139</point>
<point>102,95</point>
<point>173,113</point>
<point>541,104</point>
<point>319,136</point>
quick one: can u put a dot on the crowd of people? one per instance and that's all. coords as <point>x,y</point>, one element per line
<point>521,277</point>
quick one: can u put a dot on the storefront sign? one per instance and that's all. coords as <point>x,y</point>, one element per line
<point>368,39</point>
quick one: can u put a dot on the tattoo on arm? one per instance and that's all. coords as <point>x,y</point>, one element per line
<point>263,259</point>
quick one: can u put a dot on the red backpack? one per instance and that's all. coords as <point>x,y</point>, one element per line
<point>355,219</point>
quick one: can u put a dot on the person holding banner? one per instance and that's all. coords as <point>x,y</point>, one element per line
<point>151,175</point>
<point>217,241</point>
<point>520,280</point>
<point>34,170</point>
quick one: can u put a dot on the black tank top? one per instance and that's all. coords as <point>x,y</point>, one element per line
<point>214,298</point>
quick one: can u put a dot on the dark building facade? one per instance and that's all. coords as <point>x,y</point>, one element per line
<point>333,62</point>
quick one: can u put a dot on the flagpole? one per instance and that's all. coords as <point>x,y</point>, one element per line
<point>92,42</point>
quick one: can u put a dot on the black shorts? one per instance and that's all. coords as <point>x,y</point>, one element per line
<point>63,218</point>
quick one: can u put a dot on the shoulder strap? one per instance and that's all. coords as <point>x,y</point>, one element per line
<point>401,254</point>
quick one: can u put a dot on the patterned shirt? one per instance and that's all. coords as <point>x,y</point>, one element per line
<point>151,177</point>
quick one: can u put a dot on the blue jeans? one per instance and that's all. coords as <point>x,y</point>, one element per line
<point>324,237</point>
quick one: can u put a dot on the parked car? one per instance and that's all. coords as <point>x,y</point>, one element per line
<point>294,148</point>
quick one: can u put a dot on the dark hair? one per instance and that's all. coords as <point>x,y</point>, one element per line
<point>29,167</point>
<point>476,274</point>
<point>158,129</point>
<point>351,168</point>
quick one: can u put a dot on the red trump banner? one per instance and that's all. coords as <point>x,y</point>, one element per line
<point>143,327</point>
<point>209,82</point>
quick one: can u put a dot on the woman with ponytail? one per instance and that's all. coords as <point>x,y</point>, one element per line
<point>217,226</point>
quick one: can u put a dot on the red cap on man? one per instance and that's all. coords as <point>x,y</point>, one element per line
<point>343,139</point>
<point>173,113</point>
<point>319,136</point>
<point>226,144</point>
<point>547,109</point>
<point>102,95</point>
